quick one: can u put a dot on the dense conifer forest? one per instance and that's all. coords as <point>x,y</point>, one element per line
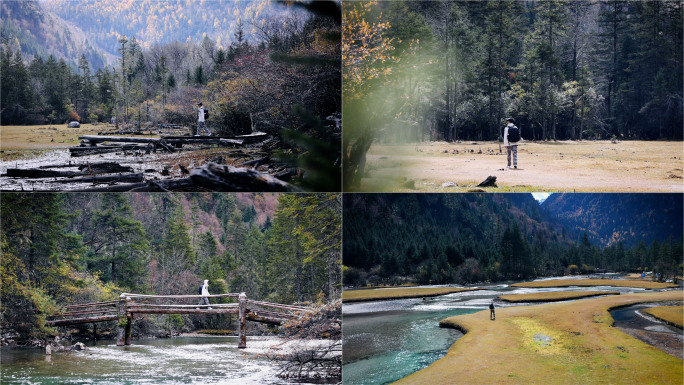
<point>467,238</point>
<point>455,70</point>
<point>61,249</point>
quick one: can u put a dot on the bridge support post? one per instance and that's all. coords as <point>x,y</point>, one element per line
<point>124,322</point>
<point>242,321</point>
<point>129,326</point>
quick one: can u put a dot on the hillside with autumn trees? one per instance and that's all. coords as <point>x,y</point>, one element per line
<point>267,67</point>
<point>63,249</point>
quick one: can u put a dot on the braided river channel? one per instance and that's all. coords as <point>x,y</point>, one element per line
<point>384,341</point>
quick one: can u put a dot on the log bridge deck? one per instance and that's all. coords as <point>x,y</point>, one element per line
<point>130,304</point>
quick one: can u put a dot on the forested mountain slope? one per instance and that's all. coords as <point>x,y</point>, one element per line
<point>611,218</point>
<point>61,249</point>
<point>160,21</point>
<point>461,238</point>
<point>26,26</point>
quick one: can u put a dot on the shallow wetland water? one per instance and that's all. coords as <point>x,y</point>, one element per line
<point>384,341</point>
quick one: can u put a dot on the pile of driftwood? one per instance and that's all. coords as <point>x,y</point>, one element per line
<point>87,173</point>
<point>210,177</point>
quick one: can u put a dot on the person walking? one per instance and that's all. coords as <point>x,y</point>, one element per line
<point>201,125</point>
<point>492,316</point>
<point>511,137</point>
<point>204,290</point>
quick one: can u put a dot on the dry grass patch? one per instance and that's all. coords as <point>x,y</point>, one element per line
<point>554,296</point>
<point>45,136</point>
<point>673,315</point>
<point>556,343</point>
<point>642,284</point>
<point>398,293</point>
<point>586,166</point>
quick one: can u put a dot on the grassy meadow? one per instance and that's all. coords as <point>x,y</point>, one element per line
<point>641,284</point>
<point>554,296</point>
<point>25,142</point>
<point>673,315</point>
<point>558,343</point>
<point>560,166</point>
<point>398,293</point>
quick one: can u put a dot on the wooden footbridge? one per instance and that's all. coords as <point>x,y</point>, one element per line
<point>129,305</point>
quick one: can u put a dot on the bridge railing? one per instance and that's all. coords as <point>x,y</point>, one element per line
<point>85,313</point>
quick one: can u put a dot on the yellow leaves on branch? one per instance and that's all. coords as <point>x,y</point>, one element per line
<point>366,52</point>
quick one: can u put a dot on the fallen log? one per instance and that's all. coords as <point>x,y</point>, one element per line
<point>286,174</point>
<point>121,139</point>
<point>124,178</point>
<point>104,168</point>
<point>256,162</point>
<point>183,184</point>
<point>489,182</point>
<point>38,173</point>
<point>165,146</point>
<point>93,150</point>
<point>264,319</point>
<point>227,178</point>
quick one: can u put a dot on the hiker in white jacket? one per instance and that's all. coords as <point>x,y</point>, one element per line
<point>204,290</point>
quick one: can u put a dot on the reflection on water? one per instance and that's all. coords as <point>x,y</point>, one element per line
<point>183,360</point>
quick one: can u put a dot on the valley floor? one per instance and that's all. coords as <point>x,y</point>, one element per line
<point>562,166</point>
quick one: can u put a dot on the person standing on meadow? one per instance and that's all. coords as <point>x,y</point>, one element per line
<point>492,316</point>
<point>511,137</point>
<point>201,125</point>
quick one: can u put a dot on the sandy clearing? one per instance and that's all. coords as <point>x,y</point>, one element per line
<point>567,166</point>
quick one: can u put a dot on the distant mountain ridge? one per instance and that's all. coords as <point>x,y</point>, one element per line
<point>35,31</point>
<point>611,218</point>
<point>68,29</point>
<point>408,229</point>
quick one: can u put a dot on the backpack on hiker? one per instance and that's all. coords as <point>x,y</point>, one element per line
<point>513,134</point>
<point>206,113</point>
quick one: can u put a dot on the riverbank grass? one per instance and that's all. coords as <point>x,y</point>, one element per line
<point>554,296</point>
<point>399,293</point>
<point>557,343</point>
<point>673,315</point>
<point>641,284</point>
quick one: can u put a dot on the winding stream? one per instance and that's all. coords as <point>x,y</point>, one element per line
<point>384,341</point>
<point>181,360</point>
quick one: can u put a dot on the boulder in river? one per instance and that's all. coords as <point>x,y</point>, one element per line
<point>79,346</point>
